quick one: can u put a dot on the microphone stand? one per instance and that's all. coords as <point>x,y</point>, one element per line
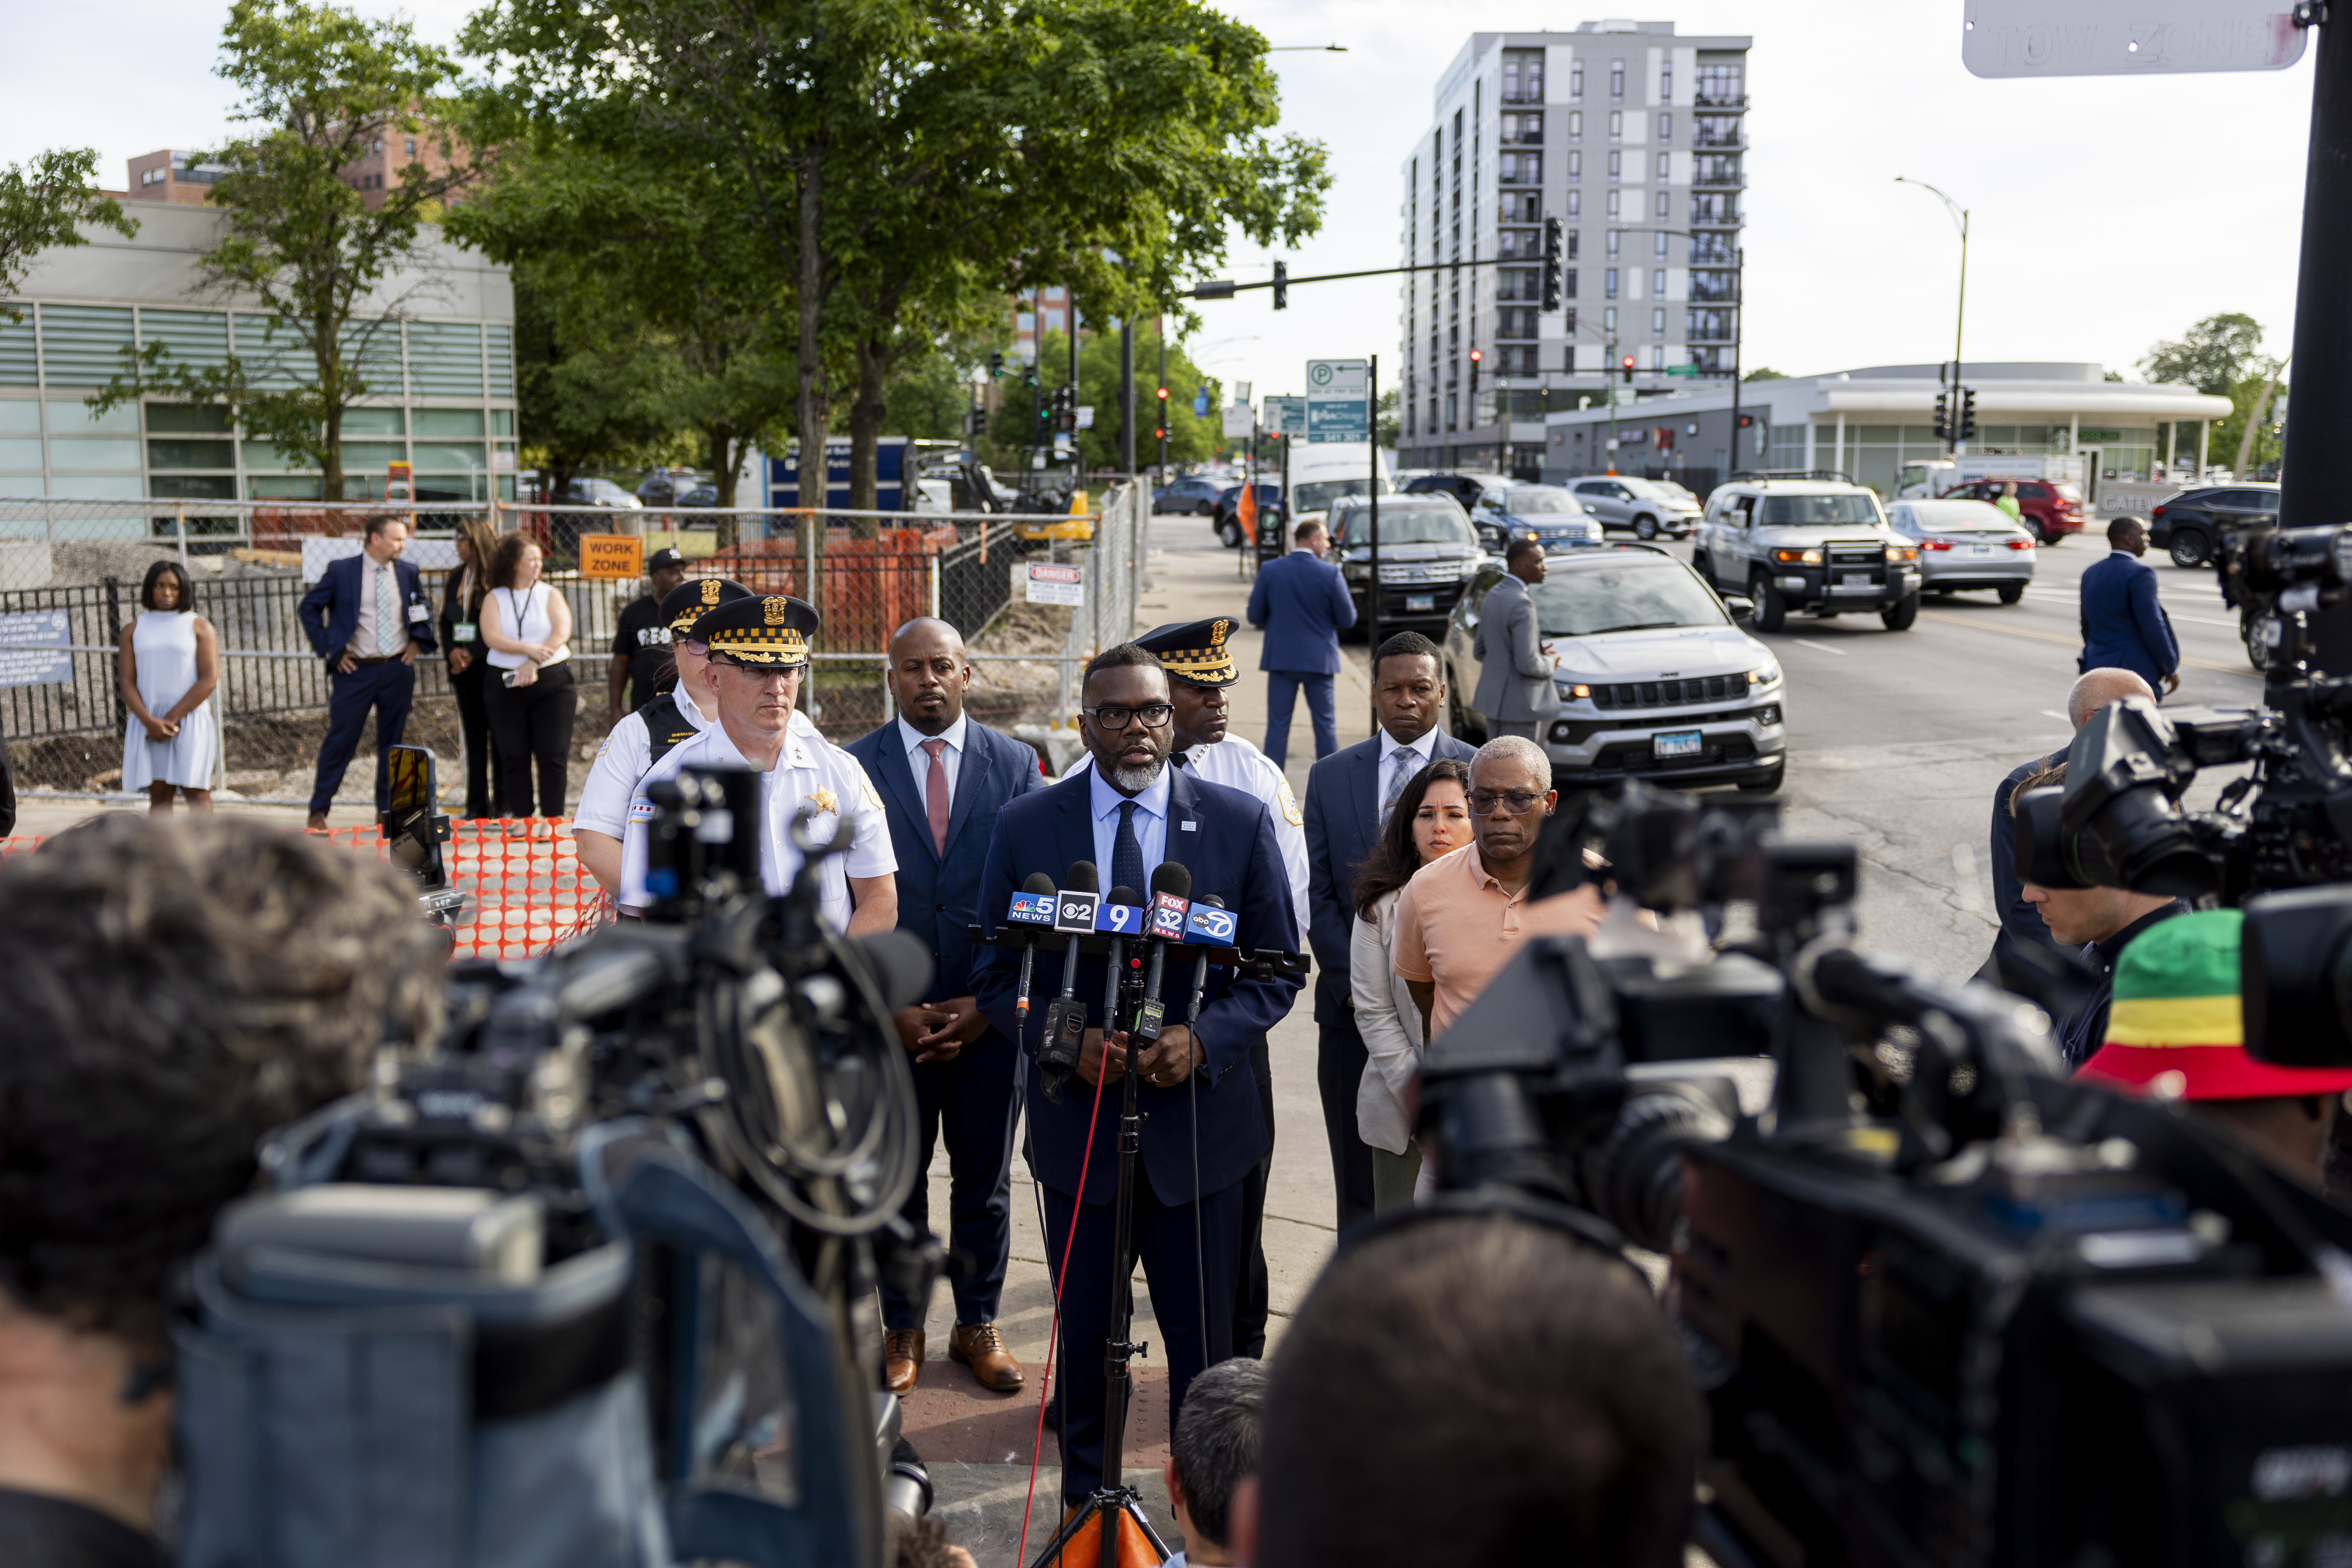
<point>1115,1504</point>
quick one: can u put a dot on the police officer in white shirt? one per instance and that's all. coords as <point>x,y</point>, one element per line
<point>643,738</point>
<point>758,653</point>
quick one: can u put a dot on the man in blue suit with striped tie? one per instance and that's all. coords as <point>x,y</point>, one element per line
<point>943,779</point>
<point>1127,814</point>
<point>1302,605</point>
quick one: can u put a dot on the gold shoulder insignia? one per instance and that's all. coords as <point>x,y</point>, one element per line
<point>1289,804</point>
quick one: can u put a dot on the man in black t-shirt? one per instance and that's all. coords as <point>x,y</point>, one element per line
<point>642,642</point>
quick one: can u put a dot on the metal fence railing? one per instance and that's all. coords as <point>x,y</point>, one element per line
<point>866,574</point>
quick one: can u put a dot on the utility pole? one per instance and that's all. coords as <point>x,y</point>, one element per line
<point>1960,318</point>
<point>1127,396</point>
<point>1164,398</point>
<point>1372,512</point>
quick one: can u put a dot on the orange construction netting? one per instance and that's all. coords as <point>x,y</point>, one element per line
<point>529,893</point>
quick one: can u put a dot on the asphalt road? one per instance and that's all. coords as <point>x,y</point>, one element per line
<point>1897,740</point>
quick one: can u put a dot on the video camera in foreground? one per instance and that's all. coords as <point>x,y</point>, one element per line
<point>1948,1306</point>
<point>583,1280</point>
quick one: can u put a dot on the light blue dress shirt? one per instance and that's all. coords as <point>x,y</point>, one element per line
<point>1151,826</point>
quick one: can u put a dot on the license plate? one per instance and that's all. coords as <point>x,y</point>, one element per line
<point>1419,602</point>
<point>1854,580</point>
<point>1980,549</point>
<point>1685,744</point>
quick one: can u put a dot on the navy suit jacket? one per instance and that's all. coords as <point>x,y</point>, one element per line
<point>1232,853</point>
<point>330,612</point>
<point>1343,816</point>
<point>2123,627</point>
<point>939,895</point>
<point>1303,604</point>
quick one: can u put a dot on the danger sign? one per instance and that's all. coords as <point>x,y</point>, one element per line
<point>616,555</point>
<point>1057,584</point>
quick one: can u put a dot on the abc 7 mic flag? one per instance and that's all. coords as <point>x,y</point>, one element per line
<point>1209,926</point>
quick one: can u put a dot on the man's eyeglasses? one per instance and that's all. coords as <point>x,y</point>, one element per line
<point>1111,716</point>
<point>1518,803</point>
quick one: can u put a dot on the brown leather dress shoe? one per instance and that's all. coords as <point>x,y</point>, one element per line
<point>902,1359</point>
<point>318,822</point>
<point>979,1347</point>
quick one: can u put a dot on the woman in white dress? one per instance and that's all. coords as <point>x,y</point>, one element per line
<point>167,664</point>
<point>1432,819</point>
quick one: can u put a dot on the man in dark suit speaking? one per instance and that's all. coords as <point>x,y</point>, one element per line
<point>1126,815</point>
<point>943,778</point>
<point>1349,796</point>
<point>368,617</point>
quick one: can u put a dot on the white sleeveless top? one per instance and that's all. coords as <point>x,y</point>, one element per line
<point>523,618</point>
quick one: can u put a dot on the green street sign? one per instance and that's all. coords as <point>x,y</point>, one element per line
<point>1682,370</point>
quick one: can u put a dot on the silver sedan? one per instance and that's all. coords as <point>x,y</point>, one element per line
<point>1967,544</point>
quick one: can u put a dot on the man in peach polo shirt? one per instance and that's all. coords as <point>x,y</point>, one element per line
<point>1462,915</point>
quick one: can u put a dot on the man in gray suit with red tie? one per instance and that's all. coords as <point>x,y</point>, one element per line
<point>1349,794</point>
<point>943,779</point>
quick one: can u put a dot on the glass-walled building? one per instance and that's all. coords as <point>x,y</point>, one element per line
<point>440,364</point>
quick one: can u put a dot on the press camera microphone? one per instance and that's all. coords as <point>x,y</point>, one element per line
<point>1066,1020</point>
<point>1033,909</point>
<point>1214,908</point>
<point>1170,885</point>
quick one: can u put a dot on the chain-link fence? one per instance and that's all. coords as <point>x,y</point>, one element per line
<point>71,574</point>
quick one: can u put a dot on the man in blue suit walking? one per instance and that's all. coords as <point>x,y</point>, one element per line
<point>942,780</point>
<point>2123,627</point>
<point>1126,815</point>
<point>1302,605</point>
<point>1348,796</point>
<point>368,617</point>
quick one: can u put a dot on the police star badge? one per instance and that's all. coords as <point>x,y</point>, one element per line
<point>825,800</point>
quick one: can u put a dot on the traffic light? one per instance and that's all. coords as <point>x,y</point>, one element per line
<point>1968,415</point>
<point>995,367</point>
<point>1943,417</point>
<point>1626,365</point>
<point>1281,286</point>
<point>1746,420</point>
<point>1551,267</point>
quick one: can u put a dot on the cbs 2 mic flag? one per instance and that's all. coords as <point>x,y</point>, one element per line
<point>1075,913</point>
<point>1168,912</point>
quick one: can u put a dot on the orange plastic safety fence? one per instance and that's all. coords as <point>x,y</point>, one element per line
<point>530,891</point>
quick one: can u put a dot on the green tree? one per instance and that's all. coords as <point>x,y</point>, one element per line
<point>43,206</point>
<point>1191,438</point>
<point>2211,357</point>
<point>2252,398</point>
<point>592,389</point>
<point>913,162</point>
<point>1391,418</point>
<point>643,252</point>
<point>321,86</point>
<point>1764,373</point>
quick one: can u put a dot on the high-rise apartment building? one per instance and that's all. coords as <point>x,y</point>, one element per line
<point>1634,138</point>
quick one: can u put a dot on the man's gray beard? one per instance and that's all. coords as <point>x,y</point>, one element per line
<point>1135,781</point>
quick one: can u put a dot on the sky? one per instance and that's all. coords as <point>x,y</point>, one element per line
<point>2106,213</point>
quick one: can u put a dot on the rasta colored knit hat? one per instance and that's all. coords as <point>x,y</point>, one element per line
<point>2177,1024</point>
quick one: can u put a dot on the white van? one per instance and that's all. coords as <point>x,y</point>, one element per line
<point>1322,473</point>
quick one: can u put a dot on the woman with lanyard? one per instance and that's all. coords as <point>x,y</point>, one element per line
<point>1432,819</point>
<point>533,698</point>
<point>469,669</point>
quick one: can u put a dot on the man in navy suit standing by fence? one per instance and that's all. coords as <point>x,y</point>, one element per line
<point>1301,603</point>
<point>943,779</point>
<point>368,617</point>
<point>1127,814</point>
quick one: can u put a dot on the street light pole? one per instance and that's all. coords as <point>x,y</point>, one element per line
<point>1960,318</point>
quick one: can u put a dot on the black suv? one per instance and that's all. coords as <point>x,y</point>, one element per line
<point>1226,518</point>
<point>1467,490</point>
<point>2188,526</point>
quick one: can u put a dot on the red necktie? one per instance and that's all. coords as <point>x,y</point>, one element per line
<point>935,794</point>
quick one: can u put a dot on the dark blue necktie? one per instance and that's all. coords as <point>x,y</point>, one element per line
<point>1126,851</point>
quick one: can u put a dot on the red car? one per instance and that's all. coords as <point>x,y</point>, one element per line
<point>2052,510</point>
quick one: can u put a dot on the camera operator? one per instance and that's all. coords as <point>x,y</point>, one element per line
<point>2176,1027</point>
<point>1466,1389</point>
<point>1213,1452</point>
<point>2101,922</point>
<point>1465,913</point>
<point>173,992</point>
<point>2020,922</point>
<point>757,657</point>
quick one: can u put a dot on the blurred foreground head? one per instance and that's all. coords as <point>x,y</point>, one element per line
<point>1472,1391</point>
<point>169,991</point>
